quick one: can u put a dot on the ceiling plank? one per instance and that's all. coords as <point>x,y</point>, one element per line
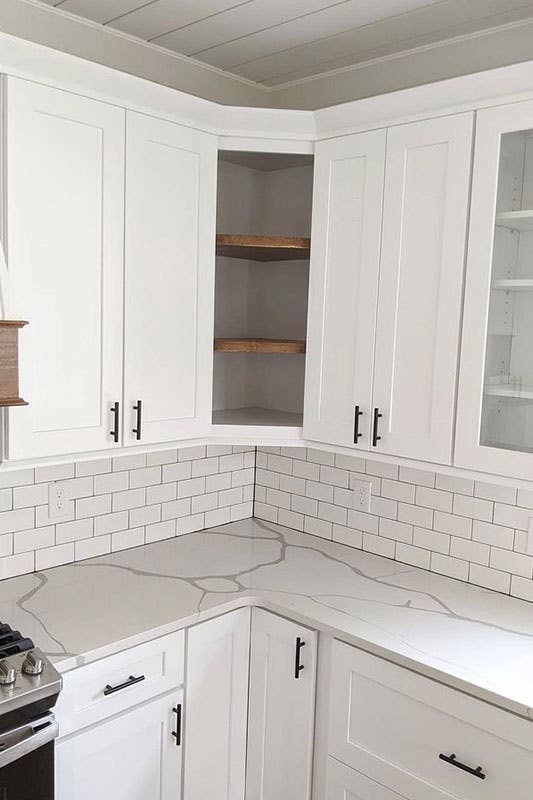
<point>163,16</point>
<point>99,10</point>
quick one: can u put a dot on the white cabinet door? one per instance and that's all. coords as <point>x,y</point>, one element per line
<point>344,783</point>
<point>495,400</point>
<point>281,709</point>
<point>170,234</point>
<point>347,207</point>
<point>130,757</point>
<point>216,702</point>
<point>427,180</point>
<point>65,217</point>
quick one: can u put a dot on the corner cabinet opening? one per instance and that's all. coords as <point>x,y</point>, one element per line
<point>262,275</point>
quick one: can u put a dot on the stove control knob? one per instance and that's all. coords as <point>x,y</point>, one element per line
<point>32,664</point>
<point>7,674</point>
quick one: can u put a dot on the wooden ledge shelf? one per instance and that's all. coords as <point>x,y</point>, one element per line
<point>259,346</point>
<point>263,248</point>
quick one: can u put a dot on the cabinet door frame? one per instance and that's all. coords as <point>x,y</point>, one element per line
<point>140,351</point>
<point>492,123</point>
<point>27,437</point>
<point>411,438</point>
<point>354,371</point>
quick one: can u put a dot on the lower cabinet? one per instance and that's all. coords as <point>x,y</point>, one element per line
<point>344,783</point>
<point>281,709</point>
<point>133,756</point>
<point>216,702</point>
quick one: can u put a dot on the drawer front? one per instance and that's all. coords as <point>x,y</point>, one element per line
<point>113,684</point>
<point>344,783</point>
<point>396,726</point>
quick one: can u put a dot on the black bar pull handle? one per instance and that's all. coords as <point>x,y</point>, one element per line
<point>375,426</point>
<point>477,772</point>
<point>177,733</point>
<point>298,667</point>
<point>131,680</point>
<point>115,410</point>
<point>356,434</point>
<point>138,429</point>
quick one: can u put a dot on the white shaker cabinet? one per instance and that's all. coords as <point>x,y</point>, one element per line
<point>427,184</point>
<point>344,783</point>
<point>133,756</point>
<point>64,239</point>
<point>170,231</point>
<point>216,702</point>
<point>347,207</point>
<point>281,709</point>
<point>495,404</point>
<point>389,231</point>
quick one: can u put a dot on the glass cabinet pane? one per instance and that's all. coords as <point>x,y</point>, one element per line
<point>507,412</point>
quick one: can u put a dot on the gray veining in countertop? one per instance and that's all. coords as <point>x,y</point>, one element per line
<point>470,638</point>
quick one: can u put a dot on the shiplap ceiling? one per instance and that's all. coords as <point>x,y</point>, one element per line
<point>272,42</point>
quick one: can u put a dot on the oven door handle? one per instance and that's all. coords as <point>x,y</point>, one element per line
<point>19,742</point>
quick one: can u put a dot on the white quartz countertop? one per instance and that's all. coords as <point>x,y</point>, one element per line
<point>473,639</point>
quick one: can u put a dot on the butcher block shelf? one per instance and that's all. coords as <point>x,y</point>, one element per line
<point>263,248</point>
<point>260,345</point>
<point>9,363</point>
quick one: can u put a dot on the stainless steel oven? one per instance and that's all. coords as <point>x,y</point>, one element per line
<point>27,760</point>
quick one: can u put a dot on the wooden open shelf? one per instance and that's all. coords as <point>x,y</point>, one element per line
<point>260,345</point>
<point>263,248</point>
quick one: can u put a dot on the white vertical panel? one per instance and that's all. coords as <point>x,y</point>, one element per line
<point>427,183</point>
<point>282,710</point>
<point>347,784</point>
<point>216,703</point>
<point>65,218</point>
<point>170,232</point>
<point>348,193</point>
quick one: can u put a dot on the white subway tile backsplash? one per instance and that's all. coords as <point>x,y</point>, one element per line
<point>241,510</point>
<point>337,477</point>
<point>194,522</point>
<point>110,523</point>
<point>515,563</point>
<point>289,483</point>
<point>384,507</point>
<point>220,516</point>
<point>491,534</point>
<point>6,499</point>
<point>415,556</point>
<point>93,506</point>
<point>332,513</point>
<point>449,566</point>
<point>160,530</point>
<point>133,498</point>
<point>432,540</point>
<point>320,456</point>
<point>261,511</point>
<point>415,515</point>
<point>161,493</point>
<point>20,520</point>
<point>19,564</point>
<point>420,477</point>
<point>216,483</point>
<point>148,476</point>
<point>351,463</point>
<point>492,491</point>
<point>277,464</point>
<point>450,523</point>
<point>192,453</point>
<point>127,462</point>
<point>97,467</point>
<point>319,491</point>
<point>318,527</point>
<point>306,469</point>
<point>72,531</point>
<point>33,495</point>
<point>395,490</point>
<point>145,515</point>
<point>382,469</point>
<point>455,484</point>
<point>18,477</point>
<point>176,472</point>
<point>473,507</point>
<point>399,531</point>
<point>89,548</point>
<point>205,466</point>
<point>176,508</point>
<point>53,556</point>
<point>512,516</point>
<point>433,498</point>
<point>204,502</point>
<point>379,545</point>
<point>363,522</point>
<point>490,578</point>
<point>54,472</point>
<point>304,505</point>
<point>161,458</point>
<point>349,536</point>
<point>231,497</point>
<point>468,550</point>
<point>111,482</point>
<point>123,540</point>
<point>191,487</point>
<point>291,519</point>
<point>24,541</point>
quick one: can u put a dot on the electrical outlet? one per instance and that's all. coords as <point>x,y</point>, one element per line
<point>362,492</point>
<point>59,504</point>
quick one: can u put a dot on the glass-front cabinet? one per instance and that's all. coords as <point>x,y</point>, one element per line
<point>495,403</point>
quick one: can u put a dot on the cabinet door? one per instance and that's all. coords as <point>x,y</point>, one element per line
<point>131,757</point>
<point>427,181</point>
<point>495,401</point>
<point>347,206</point>
<point>65,222</point>
<point>344,783</point>
<point>216,702</point>
<point>170,234</point>
<point>282,709</point>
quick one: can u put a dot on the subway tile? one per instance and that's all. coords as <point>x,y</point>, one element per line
<point>318,527</point>
<point>205,466</point>
<point>42,514</point>
<point>110,523</point>
<point>382,469</point>
<point>265,477</point>
<point>191,487</point>
<point>176,472</point>
<point>34,495</point>
<point>148,476</point>
<point>305,469</point>
<point>93,506</point>
<point>248,492</point>
<point>21,520</point>
<point>468,550</point>
<point>218,450</point>
<point>343,497</point>
<point>420,477</point>
<point>161,493</point>
<point>6,499</point>
<point>490,578</point>
<point>18,477</point>
<point>473,507</point>
<point>451,523</point>
<point>217,483</point>
<point>415,556</point>
<point>512,516</point>
<point>220,516</point>
<point>320,456</point>
<point>304,505</point>
<point>192,453</point>
<point>204,502</point>
<point>230,497</point>
<point>262,511</point>
<point>249,459</point>
<point>431,540</point>
<point>261,459</point>
<point>260,494</point>
<point>279,464</point>
<point>379,545</point>
<point>160,530</point>
<point>455,484</point>
<point>242,477</point>
<point>288,483</point>
<point>384,507</point>
<point>334,476</point>
<point>123,540</point>
<point>90,548</point>
<point>111,482</point>
<point>133,498</point>
<point>132,461</point>
<point>493,491</point>
<point>24,541</point>
<point>236,461</point>
<point>332,513</point>
<point>349,536</point>
<point>515,563</point>
<point>54,556</point>
<point>395,490</point>
<point>434,498</point>
<point>362,477</point>
<point>79,487</point>
<point>415,515</point>
<point>72,531</point>
<point>299,453</point>
<point>449,566</point>
<point>146,515</point>
<point>363,522</point>
<point>19,564</point>
<point>190,524</point>
<point>242,510</point>
<point>522,588</point>
<point>521,542</point>
<point>291,519</point>
<point>96,467</point>
<point>161,458</point>
<point>275,498</point>
<point>525,498</point>
<point>176,508</point>
<point>399,531</point>
<point>351,463</point>
<point>494,535</point>
<point>319,491</point>
<point>52,472</point>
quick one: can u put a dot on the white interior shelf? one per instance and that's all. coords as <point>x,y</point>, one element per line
<point>258,416</point>
<point>509,390</point>
<point>514,284</point>
<point>517,220</point>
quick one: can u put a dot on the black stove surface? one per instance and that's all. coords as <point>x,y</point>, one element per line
<point>13,642</point>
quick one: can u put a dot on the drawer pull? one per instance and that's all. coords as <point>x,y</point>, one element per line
<point>131,680</point>
<point>356,433</point>
<point>177,733</point>
<point>477,772</point>
<point>298,667</point>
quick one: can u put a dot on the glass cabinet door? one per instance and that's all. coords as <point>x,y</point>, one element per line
<point>507,402</point>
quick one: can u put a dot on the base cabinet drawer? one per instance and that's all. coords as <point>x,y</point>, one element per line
<point>421,739</point>
<point>112,685</point>
<point>344,783</point>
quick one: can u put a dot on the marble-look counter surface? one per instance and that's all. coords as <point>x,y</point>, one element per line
<point>469,638</point>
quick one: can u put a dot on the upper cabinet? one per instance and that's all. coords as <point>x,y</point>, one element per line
<point>384,330</point>
<point>71,162</point>
<point>64,237</point>
<point>495,407</point>
<point>169,276</point>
